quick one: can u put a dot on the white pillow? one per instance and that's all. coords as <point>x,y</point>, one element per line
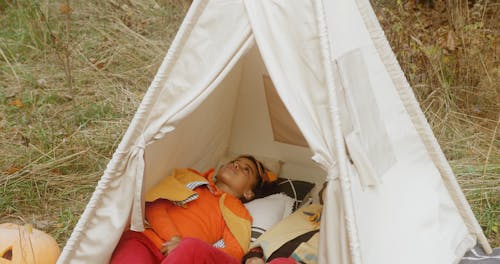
<point>268,211</point>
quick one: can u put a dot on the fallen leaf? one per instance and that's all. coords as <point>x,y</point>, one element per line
<point>12,170</point>
<point>64,9</point>
<point>100,65</point>
<point>17,103</point>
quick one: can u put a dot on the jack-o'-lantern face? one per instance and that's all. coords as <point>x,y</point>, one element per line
<point>26,245</point>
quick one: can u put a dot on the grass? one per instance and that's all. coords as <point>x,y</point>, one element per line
<point>56,136</point>
<point>71,81</point>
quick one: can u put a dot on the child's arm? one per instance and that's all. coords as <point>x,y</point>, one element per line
<point>158,218</point>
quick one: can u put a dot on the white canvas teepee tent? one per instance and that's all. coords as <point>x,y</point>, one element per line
<point>310,82</point>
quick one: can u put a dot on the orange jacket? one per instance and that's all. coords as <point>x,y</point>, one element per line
<point>209,214</point>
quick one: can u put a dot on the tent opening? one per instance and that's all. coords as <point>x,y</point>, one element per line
<point>243,114</point>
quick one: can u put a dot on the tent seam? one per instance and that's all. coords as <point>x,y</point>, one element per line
<point>350,217</point>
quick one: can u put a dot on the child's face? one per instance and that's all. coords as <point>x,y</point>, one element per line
<point>240,175</point>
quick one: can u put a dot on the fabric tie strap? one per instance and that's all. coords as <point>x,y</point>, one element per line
<point>137,157</point>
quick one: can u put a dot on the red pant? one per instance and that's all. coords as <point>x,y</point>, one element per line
<point>283,261</point>
<point>136,248</point>
<point>195,251</point>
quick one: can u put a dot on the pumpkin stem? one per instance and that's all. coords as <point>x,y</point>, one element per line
<point>29,228</point>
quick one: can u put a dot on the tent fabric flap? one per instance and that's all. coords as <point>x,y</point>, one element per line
<point>411,199</point>
<point>367,139</point>
<point>295,51</point>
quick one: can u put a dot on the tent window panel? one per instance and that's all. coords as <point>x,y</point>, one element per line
<point>285,129</point>
<point>366,135</point>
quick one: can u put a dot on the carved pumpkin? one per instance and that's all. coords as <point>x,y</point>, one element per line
<point>26,245</point>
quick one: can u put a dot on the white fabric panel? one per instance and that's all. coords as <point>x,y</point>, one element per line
<point>218,36</point>
<point>199,140</point>
<point>252,132</point>
<point>295,52</point>
<point>411,211</point>
<point>369,130</point>
<point>423,128</point>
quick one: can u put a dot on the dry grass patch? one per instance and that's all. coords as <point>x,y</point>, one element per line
<point>70,81</point>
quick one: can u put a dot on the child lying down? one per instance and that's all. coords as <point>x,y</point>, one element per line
<point>293,240</point>
<point>198,217</point>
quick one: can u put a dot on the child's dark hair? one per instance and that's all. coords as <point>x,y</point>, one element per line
<point>262,188</point>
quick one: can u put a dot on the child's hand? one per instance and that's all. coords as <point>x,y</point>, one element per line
<point>170,245</point>
<point>255,260</point>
